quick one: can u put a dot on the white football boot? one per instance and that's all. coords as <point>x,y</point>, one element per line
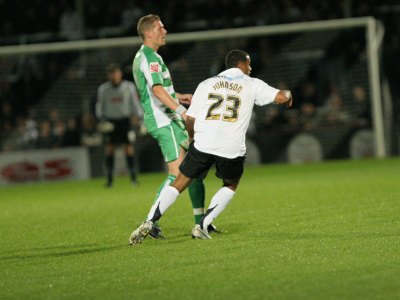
<point>198,233</point>
<point>140,233</point>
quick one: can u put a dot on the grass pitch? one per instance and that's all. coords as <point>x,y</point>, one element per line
<point>318,231</point>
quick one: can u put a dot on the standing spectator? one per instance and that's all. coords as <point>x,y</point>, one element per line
<point>309,116</point>
<point>359,108</point>
<point>89,137</point>
<point>59,133</point>
<point>31,132</point>
<point>54,118</point>
<point>333,111</point>
<point>72,135</point>
<point>71,25</point>
<point>7,117</point>
<point>117,102</point>
<point>46,138</point>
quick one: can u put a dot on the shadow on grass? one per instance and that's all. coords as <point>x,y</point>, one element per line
<point>61,251</point>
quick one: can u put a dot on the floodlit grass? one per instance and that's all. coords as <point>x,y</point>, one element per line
<point>317,231</point>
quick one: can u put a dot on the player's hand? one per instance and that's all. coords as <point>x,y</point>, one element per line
<point>185,98</point>
<point>284,97</point>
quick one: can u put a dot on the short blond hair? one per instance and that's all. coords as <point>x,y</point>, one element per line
<point>146,23</point>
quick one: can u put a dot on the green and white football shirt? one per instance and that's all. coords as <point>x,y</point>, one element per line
<point>148,70</point>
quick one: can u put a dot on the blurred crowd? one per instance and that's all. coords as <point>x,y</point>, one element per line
<point>20,20</point>
<point>23,21</point>
<point>79,19</point>
<point>53,132</point>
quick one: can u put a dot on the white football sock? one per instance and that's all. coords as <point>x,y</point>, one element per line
<point>165,199</point>
<point>217,205</point>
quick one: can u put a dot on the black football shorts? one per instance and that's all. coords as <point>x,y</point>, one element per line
<point>196,164</point>
<point>120,133</point>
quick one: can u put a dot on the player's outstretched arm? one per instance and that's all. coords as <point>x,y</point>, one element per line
<point>170,102</point>
<point>284,97</point>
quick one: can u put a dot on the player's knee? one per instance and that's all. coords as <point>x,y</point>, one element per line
<point>181,185</point>
<point>231,183</point>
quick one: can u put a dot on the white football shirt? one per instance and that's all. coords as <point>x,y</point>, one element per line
<point>222,106</point>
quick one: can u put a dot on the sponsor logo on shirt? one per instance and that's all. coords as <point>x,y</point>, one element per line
<point>154,67</point>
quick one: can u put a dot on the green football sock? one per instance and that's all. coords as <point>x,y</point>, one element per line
<point>197,196</point>
<point>168,181</point>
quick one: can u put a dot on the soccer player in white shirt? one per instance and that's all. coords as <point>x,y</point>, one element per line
<point>217,121</point>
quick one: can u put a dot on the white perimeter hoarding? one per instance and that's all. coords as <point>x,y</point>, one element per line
<point>44,165</point>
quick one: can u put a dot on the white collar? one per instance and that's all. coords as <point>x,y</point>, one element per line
<point>232,72</point>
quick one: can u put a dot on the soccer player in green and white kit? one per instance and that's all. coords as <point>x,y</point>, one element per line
<point>163,112</point>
